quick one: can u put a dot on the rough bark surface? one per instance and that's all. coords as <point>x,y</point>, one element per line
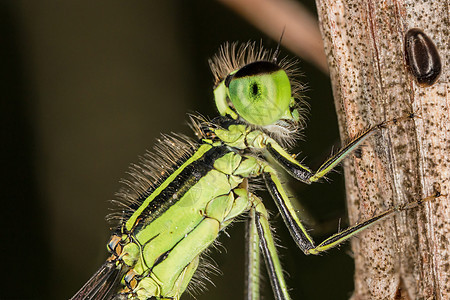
<point>407,256</point>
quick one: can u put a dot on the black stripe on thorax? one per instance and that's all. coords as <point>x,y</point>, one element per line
<point>176,189</point>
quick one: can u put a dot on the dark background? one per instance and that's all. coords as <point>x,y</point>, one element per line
<point>86,88</point>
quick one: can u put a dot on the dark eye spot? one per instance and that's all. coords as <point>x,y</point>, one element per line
<point>255,89</point>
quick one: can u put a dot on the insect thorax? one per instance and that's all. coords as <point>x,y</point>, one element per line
<point>205,193</point>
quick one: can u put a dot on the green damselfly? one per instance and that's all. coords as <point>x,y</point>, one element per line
<point>183,195</point>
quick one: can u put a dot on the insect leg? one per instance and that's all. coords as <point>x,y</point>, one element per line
<point>287,211</point>
<point>344,235</point>
<point>299,233</point>
<point>252,263</point>
<point>304,174</point>
<point>268,249</point>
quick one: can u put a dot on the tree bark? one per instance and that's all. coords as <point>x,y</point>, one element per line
<point>406,256</point>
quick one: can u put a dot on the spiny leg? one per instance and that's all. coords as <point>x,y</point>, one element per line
<point>304,174</point>
<point>344,235</point>
<point>252,261</point>
<point>299,233</point>
<point>287,211</point>
<point>349,232</point>
<point>268,250</point>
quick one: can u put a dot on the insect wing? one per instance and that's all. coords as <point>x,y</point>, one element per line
<point>102,285</point>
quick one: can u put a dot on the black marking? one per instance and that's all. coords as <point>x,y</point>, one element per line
<point>296,232</point>
<point>257,68</point>
<point>228,80</point>
<point>176,189</point>
<point>134,205</point>
<point>176,244</point>
<point>164,256</point>
<point>129,278</point>
<point>161,258</point>
<point>249,261</point>
<point>275,283</point>
<point>255,89</point>
<point>151,239</point>
<point>299,173</point>
<point>225,122</point>
<point>422,57</point>
<point>114,245</point>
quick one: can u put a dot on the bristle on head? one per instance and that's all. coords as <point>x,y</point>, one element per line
<point>233,56</point>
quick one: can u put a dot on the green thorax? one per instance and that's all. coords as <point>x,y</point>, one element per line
<point>162,241</point>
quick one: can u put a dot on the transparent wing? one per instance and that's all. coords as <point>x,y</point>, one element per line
<point>103,285</point>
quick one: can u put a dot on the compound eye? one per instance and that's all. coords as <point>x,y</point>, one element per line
<point>260,92</point>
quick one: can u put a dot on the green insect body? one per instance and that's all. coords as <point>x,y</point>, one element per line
<point>180,198</point>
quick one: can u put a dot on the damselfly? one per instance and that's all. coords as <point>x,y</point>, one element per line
<point>183,195</point>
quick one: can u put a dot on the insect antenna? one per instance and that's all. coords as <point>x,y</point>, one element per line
<point>277,50</point>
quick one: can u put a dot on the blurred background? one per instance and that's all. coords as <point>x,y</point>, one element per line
<point>86,87</point>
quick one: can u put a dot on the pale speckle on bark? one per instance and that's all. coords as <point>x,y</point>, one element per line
<point>407,256</point>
